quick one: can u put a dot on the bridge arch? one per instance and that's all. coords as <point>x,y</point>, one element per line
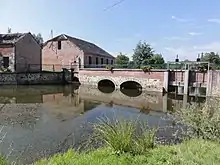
<point>106,86</point>
<point>131,85</point>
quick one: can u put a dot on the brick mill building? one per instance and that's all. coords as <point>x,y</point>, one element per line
<point>19,52</point>
<point>65,51</point>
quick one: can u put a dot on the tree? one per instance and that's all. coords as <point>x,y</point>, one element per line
<point>122,60</point>
<point>157,61</point>
<point>39,38</point>
<point>211,57</point>
<point>142,54</point>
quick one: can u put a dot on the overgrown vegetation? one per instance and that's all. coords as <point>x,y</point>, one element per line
<point>124,136</point>
<point>202,122</point>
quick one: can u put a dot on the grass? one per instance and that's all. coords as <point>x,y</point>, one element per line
<point>124,136</point>
<point>193,152</point>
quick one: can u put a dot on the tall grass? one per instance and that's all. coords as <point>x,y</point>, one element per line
<point>201,121</point>
<point>125,136</point>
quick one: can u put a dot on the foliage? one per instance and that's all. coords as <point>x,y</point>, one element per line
<point>109,67</point>
<point>38,38</point>
<point>3,161</point>
<point>145,55</point>
<point>124,136</point>
<point>142,53</point>
<point>122,61</point>
<point>201,121</point>
<point>190,152</point>
<point>147,68</point>
<point>211,57</point>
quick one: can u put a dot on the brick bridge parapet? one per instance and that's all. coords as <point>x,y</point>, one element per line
<point>156,80</point>
<point>150,81</point>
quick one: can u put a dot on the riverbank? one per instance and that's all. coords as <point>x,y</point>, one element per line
<point>190,152</point>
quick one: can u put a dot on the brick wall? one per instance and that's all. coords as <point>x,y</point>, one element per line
<point>150,81</point>
<point>7,51</point>
<point>28,54</point>
<point>54,58</point>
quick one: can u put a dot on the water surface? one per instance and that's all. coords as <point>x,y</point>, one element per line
<point>39,121</point>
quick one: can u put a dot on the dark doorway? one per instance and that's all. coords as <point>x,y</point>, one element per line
<point>79,62</point>
<point>90,60</point>
<point>5,62</point>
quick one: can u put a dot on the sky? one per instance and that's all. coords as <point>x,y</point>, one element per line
<point>171,27</point>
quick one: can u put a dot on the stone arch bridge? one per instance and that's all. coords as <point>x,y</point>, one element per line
<point>150,81</point>
<point>156,80</point>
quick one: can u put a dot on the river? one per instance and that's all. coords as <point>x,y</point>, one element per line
<point>39,121</point>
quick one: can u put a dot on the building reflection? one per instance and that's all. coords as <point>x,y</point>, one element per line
<point>71,99</point>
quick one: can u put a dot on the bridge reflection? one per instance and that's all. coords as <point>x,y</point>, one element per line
<point>72,97</point>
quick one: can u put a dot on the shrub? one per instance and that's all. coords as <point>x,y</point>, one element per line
<point>3,161</point>
<point>147,68</point>
<point>201,121</point>
<point>109,68</point>
<point>125,136</point>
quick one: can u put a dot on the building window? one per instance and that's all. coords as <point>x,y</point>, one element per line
<point>106,61</point>
<point>96,60</point>
<point>90,60</point>
<point>112,62</point>
<point>59,45</point>
<point>5,62</point>
<point>102,61</point>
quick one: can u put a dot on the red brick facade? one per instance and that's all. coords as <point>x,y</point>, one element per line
<point>54,59</point>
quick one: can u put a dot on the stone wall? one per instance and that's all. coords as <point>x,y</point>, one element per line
<point>33,78</point>
<point>213,87</point>
<point>150,81</point>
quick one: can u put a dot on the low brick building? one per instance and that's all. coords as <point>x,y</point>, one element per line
<point>65,51</point>
<point>19,52</point>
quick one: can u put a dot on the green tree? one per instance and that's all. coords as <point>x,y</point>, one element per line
<point>142,54</point>
<point>157,61</point>
<point>38,38</point>
<point>122,60</point>
<point>211,57</point>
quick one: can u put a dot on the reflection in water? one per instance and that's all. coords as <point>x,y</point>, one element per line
<point>131,92</point>
<point>104,89</point>
<point>44,120</point>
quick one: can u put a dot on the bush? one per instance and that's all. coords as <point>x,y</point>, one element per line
<point>147,68</point>
<point>201,121</point>
<point>109,68</point>
<point>125,136</point>
<point>3,161</point>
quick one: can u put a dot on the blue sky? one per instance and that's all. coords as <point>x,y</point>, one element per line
<point>172,27</point>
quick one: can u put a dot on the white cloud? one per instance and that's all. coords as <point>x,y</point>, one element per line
<point>210,47</point>
<point>183,20</point>
<point>194,33</point>
<point>176,38</point>
<point>214,20</point>
<point>191,53</point>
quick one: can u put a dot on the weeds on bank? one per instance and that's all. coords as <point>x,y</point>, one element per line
<point>202,122</point>
<point>124,136</point>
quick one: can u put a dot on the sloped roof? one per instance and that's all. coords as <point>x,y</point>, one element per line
<point>11,38</point>
<point>85,46</point>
